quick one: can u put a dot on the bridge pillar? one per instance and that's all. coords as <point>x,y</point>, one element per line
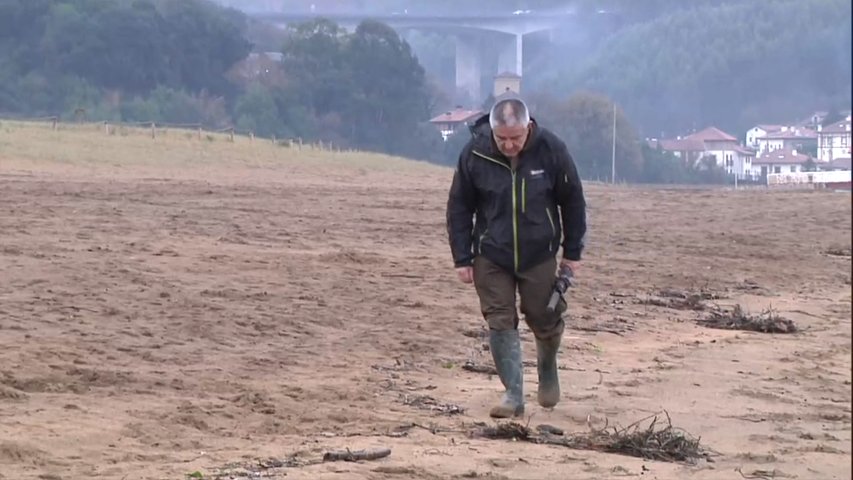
<point>510,57</point>
<point>468,69</point>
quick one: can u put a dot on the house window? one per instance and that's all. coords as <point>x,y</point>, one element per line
<point>777,169</point>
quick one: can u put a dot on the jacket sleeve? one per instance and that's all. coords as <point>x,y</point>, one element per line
<point>461,205</point>
<point>572,204</point>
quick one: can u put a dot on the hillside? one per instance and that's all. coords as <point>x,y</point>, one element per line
<point>90,147</point>
<point>176,306</point>
<point>730,65</point>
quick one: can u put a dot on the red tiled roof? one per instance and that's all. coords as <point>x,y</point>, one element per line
<point>744,150</point>
<point>769,128</point>
<point>456,116</point>
<point>781,157</point>
<point>838,127</point>
<point>796,133</point>
<point>682,145</point>
<point>712,134</point>
<point>840,163</point>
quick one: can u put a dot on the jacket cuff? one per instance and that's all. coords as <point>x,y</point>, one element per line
<point>468,262</point>
<point>573,254</point>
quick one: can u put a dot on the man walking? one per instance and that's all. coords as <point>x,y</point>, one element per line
<point>515,195</point>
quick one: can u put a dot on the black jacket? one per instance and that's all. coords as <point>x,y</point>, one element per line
<point>510,217</point>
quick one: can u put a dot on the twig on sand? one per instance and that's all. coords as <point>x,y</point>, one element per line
<point>763,474</point>
<point>355,456</point>
<point>692,302</point>
<point>596,329</point>
<point>658,441</point>
<point>471,366</point>
<point>425,402</point>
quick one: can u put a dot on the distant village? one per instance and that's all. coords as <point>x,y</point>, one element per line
<point>804,145</point>
<point>769,148</point>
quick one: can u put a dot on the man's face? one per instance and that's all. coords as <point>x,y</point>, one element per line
<point>511,139</point>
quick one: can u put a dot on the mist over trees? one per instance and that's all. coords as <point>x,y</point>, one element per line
<point>135,60</point>
<point>730,65</point>
<point>671,67</point>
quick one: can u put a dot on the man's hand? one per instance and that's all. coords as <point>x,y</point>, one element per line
<point>573,265</point>
<point>465,274</point>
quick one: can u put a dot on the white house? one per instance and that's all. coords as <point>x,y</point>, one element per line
<point>742,163</point>
<point>813,120</point>
<point>833,141</point>
<point>778,161</point>
<point>452,121</point>
<point>758,131</point>
<point>787,138</point>
<point>712,143</point>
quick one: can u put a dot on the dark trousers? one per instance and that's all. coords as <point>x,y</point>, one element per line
<point>497,287</point>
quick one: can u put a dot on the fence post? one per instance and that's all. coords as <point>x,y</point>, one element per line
<point>152,129</point>
<point>106,127</point>
<point>251,136</point>
<point>199,133</point>
<point>53,122</point>
<point>231,134</point>
<point>273,139</point>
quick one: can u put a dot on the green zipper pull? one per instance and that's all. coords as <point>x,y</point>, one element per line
<point>514,204</point>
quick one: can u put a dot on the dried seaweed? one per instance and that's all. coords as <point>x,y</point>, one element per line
<point>737,319</point>
<point>425,402</point>
<point>657,441</point>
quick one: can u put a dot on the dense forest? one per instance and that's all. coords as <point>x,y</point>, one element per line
<point>671,66</point>
<point>732,66</point>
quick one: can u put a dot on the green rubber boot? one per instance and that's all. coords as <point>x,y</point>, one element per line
<point>506,352</point>
<point>549,381</point>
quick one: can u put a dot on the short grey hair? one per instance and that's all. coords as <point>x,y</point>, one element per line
<point>509,112</point>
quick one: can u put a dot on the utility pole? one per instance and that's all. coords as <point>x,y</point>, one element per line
<point>613,156</point>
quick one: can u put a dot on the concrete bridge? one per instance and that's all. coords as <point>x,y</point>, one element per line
<point>511,28</point>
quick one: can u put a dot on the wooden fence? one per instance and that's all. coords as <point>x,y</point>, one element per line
<point>154,129</point>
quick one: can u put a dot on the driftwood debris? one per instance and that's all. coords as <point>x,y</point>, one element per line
<point>597,329</point>
<point>471,366</point>
<point>679,300</point>
<point>478,333</point>
<point>356,456</point>
<point>657,441</point>
<point>426,402</point>
<point>693,302</point>
<point>737,319</point>
<point>763,474</point>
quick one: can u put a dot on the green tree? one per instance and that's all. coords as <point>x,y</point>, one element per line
<point>316,64</point>
<point>205,42</point>
<point>730,64</point>
<point>364,89</point>
<point>389,94</point>
<point>585,122</point>
<point>257,112</point>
